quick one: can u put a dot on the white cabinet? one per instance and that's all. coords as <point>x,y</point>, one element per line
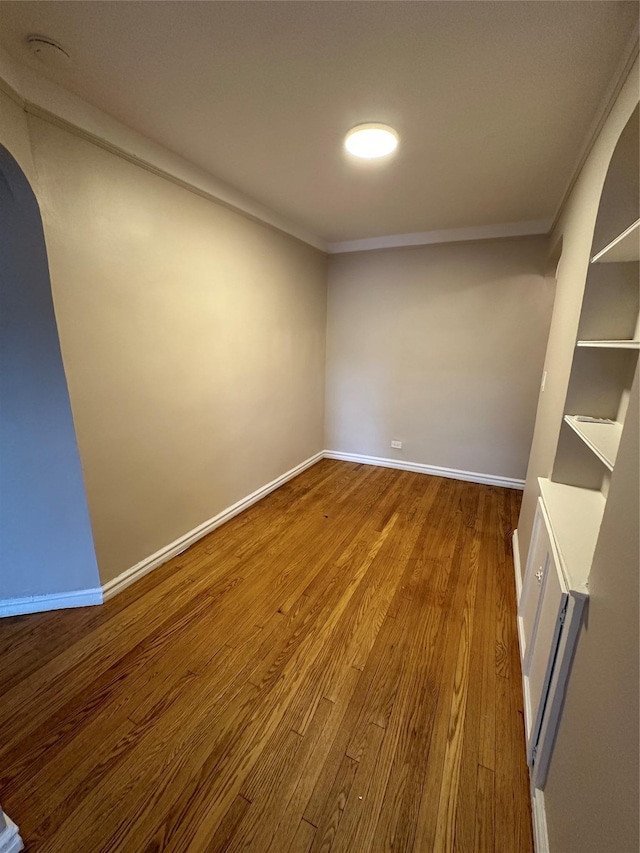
<point>549,615</point>
<point>537,566</point>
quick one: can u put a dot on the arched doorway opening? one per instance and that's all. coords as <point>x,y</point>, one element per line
<point>47,558</point>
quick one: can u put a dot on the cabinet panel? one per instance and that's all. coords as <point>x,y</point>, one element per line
<point>543,648</point>
<point>537,561</point>
<point>542,604</point>
<point>549,615</point>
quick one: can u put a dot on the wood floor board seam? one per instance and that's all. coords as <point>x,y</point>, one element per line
<point>335,670</point>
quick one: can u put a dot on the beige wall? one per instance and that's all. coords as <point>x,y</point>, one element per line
<point>440,347</point>
<point>14,134</point>
<point>193,341</point>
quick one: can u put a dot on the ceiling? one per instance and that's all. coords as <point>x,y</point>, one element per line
<point>492,100</point>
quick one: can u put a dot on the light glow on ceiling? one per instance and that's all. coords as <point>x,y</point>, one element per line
<point>371,141</point>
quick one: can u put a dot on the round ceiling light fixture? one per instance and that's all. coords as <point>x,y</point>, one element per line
<point>48,51</point>
<point>371,141</point>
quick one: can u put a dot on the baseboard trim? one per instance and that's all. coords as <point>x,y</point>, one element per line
<point>83,598</point>
<point>539,815</point>
<point>10,841</point>
<point>420,468</point>
<point>54,601</point>
<point>122,581</point>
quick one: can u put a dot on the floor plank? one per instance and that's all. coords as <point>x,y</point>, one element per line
<point>336,669</point>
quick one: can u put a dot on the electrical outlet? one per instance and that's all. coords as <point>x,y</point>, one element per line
<point>397,445</point>
<point>544,381</point>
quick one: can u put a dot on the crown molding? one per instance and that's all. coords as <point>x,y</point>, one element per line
<point>623,69</point>
<point>449,235</point>
<point>46,100</point>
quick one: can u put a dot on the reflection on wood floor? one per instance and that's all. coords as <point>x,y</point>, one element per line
<point>336,669</point>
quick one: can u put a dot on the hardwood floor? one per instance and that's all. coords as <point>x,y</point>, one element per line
<point>334,670</point>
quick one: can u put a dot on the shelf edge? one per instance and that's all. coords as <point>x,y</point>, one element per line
<point>592,447</point>
<point>577,582</point>
<point>615,241</point>
<point>620,344</point>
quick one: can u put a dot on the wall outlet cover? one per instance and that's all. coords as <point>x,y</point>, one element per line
<point>396,444</point>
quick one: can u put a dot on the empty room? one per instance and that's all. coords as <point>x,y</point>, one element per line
<point>319,440</point>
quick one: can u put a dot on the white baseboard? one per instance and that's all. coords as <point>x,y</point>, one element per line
<point>147,565</point>
<point>420,468</point>
<point>55,601</point>
<point>10,841</point>
<point>539,815</point>
<point>82,598</point>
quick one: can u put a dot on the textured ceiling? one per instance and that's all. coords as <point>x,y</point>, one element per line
<point>492,100</point>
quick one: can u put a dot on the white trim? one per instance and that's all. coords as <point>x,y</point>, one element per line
<point>516,564</point>
<point>628,344</point>
<point>626,233</point>
<point>181,544</point>
<point>518,576</point>
<point>54,601</point>
<point>420,468</point>
<point>622,72</point>
<point>539,816</point>
<point>448,235</point>
<point>76,116</point>
<point>47,100</point>
<point>557,689</point>
<point>10,841</point>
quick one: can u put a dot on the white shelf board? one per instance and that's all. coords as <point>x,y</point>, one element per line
<point>602,439</point>
<point>611,344</point>
<point>625,247</point>
<point>575,515</point>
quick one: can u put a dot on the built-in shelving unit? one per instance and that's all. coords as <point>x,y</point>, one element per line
<point>606,356</point>
<point>573,500</point>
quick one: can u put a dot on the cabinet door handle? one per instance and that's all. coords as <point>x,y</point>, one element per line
<point>539,575</point>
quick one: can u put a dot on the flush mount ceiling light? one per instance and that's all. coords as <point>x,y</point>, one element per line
<point>48,51</point>
<point>370,141</point>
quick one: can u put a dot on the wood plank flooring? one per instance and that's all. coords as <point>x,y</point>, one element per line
<point>336,669</point>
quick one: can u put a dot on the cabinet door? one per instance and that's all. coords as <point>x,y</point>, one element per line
<point>549,618</point>
<point>542,605</point>
<point>537,564</point>
<point>551,606</point>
